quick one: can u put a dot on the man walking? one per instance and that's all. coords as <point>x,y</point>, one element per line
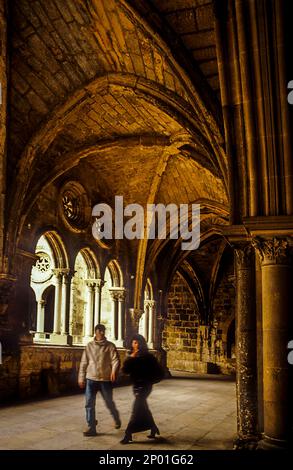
<point>98,371</point>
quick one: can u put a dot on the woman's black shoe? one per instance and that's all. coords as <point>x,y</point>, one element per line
<point>126,439</point>
<point>153,433</point>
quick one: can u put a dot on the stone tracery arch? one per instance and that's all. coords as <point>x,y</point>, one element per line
<point>51,272</point>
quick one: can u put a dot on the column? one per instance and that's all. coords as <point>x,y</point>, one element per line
<point>57,304</point>
<point>89,314</point>
<point>146,321</point>
<point>118,296</point>
<point>134,318</point>
<point>246,359</point>
<point>99,283</point>
<point>277,282</point>
<point>71,303</point>
<point>151,314</point>
<point>120,339</point>
<point>40,320</point>
<point>64,302</point>
<point>114,313</point>
<point>5,285</point>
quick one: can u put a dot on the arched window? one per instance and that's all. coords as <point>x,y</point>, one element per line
<point>84,303</point>
<point>146,325</point>
<point>107,306</point>
<point>112,304</point>
<point>49,278</point>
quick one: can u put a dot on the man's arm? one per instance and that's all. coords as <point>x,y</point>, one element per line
<point>115,363</point>
<point>82,369</point>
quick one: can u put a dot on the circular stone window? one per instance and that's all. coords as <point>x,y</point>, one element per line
<point>74,206</point>
<point>42,271</point>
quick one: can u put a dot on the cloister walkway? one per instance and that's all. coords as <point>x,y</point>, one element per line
<point>192,412</point>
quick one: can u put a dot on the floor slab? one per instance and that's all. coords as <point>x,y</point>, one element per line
<point>192,412</point>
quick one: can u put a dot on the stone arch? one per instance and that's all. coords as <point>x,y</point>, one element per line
<point>91,262</point>
<point>58,248</point>
<point>147,323</point>
<point>116,273</point>
<point>47,278</point>
<point>84,296</point>
<point>149,292</point>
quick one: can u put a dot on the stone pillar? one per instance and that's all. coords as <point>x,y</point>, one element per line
<point>246,360</point>
<point>113,294</point>
<point>99,283</point>
<point>134,317</point>
<point>40,319</point>
<point>145,320</point>
<point>121,298</point>
<point>60,334</point>
<point>89,314</point>
<point>64,302</point>
<point>277,283</point>
<point>72,294</point>
<point>4,280</point>
<point>151,315</point>
<point>118,296</point>
<point>57,304</point>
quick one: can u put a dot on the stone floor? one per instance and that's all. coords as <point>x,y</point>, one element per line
<point>192,412</point>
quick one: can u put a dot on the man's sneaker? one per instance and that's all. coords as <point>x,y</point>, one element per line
<point>118,424</point>
<point>89,432</point>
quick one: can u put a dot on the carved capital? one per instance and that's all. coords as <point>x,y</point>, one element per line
<point>244,255</point>
<point>58,274</point>
<point>90,283</point>
<point>117,294</point>
<point>272,251</point>
<point>150,303</point>
<point>100,283</point>
<point>135,314</point>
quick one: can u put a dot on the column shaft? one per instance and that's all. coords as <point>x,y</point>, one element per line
<point>146,322</point>
<point>246,371</point>
<point>40,316</point>
<point>64,329</point>
<point>89,312</point>
<point>57,304</point>
<point>151,311</point>
<point>277,282</point>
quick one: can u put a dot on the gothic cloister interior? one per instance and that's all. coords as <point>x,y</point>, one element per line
<point>161,102</point>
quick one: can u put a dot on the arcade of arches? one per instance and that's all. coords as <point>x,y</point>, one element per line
<point>162,101</point>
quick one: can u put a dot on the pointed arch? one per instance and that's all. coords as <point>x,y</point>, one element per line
<point>116,273</point>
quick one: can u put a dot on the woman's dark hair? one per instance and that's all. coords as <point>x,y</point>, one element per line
<point>143,347</point>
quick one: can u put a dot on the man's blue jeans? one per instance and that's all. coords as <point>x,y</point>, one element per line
<point>106,389</point>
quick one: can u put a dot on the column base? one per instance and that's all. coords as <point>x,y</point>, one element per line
<point>151,346</point>
<point>268,443</point>
<point>245,443</point>
<point>41,337</point>
<point>60,339</point>
<point>119,343</point>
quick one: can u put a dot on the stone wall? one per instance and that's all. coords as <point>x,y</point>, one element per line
<point>41,371</point>
<point>192,346</point>
<point>179,335</point>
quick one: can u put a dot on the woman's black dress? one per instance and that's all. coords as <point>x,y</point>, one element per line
<point>144,370</point>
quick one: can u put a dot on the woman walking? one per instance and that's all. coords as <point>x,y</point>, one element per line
<point>144,370</point>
